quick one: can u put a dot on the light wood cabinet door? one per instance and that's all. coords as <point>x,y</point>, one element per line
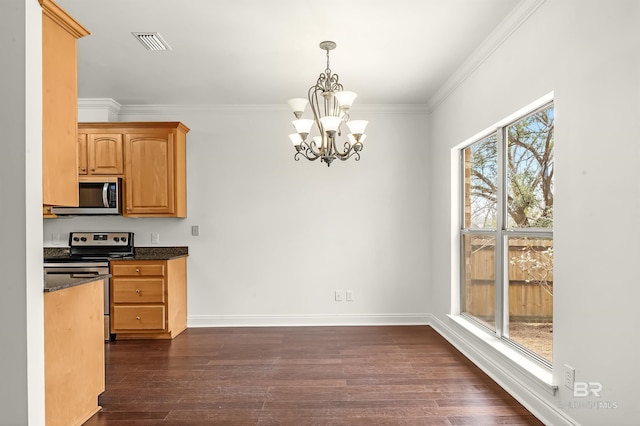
<point>104,154</point>
<point>149,174</point>
<point>59,105</point>
<point>73,353</point>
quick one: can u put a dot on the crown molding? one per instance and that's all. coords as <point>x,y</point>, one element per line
<point>100,103</point>
<point>519,15</point>
<point>160,109</point>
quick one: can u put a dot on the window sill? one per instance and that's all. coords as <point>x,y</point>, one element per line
<point>540,374</point>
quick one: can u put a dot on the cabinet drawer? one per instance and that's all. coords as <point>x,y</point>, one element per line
<point>138,269</point>
<point>138,318</point>
<point>138,290</point>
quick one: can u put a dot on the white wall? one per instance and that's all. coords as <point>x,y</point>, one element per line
<point>588,53</point>
<point>277,236</point>
<point>21,304</point>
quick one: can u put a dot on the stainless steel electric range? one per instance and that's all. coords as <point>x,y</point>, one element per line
<point>89,255</point>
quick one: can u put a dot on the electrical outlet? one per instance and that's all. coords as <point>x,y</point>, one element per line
<point>338,295</point>
<point>155,238</point>
<point>569,376</point>
<point>195,230</point>
<point>349,295</point>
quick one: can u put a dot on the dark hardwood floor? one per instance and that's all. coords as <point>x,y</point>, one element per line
<point>396,375</point>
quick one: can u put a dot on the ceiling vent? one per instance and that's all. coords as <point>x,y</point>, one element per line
<point>152,41</point>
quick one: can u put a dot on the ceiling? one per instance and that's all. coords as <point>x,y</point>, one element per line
<point>266,51</point>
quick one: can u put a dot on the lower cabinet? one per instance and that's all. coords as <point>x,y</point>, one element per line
<point>73,353</point>
<point>148,298</point>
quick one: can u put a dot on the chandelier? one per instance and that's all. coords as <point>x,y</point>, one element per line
<point>330,105</point>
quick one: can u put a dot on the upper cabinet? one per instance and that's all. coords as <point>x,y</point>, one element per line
<point>59,105</point>
<point>154,156</point>
<point>100,154</point>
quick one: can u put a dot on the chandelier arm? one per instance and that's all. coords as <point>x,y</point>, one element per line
<point>349,150</point>
<point>354,153</point>
<point>313,101</point>
<point>307,152</point>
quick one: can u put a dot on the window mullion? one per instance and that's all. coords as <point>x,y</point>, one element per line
<point>501,320</point>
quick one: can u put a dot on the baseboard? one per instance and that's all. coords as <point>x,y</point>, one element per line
<point>305,320</point>
<point>526,391</point>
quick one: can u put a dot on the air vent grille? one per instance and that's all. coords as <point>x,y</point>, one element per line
<point>152,41</point>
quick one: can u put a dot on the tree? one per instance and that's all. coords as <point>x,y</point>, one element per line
<point>529,167</point>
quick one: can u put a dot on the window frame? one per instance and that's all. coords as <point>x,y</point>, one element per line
<point>501,233</point>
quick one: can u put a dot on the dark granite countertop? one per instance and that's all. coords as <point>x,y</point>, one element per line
<point>55,282</point>
<point>159,253</point>
<point>139,253</point>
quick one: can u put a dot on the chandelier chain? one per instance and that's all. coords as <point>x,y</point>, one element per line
<point>328,70</point>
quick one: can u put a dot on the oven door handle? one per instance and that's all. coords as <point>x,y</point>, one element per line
<point>77,272</point>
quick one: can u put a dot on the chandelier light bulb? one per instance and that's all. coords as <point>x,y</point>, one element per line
<point>345,99</point>
<point>330,124</point>
<point>357,126</point>
<point>295,138</point>
<point>302,125</point>
<point>298,105</point>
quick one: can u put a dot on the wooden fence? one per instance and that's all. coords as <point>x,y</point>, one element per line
<point>530,274</point>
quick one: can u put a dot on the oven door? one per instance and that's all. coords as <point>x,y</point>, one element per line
<point>80,270</point>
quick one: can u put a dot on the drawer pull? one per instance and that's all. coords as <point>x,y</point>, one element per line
<point>138,290</point>
<point>138,318</point>
<point>137,270</point>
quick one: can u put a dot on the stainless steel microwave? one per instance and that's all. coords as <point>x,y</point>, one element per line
<point>96,196</point>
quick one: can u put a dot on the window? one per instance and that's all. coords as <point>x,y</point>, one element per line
<point>506,241</point>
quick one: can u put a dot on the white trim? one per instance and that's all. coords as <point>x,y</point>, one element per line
<point>306,320</point>
<point>533,393</point>
<point>107,104</point>
<point>242,108</point>
<point>503,31</point>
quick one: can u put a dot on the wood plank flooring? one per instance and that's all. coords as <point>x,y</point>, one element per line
<point>395,375</point>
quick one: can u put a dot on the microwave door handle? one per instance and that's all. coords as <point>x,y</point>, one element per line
<point>105,193</point>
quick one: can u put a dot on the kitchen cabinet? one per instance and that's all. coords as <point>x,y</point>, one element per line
<point>60,33</point>
<point>148,298</point>
<point>100,154</point>
<point>73,353</point>
<point>154,164</point>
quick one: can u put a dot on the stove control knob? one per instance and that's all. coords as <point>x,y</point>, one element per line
<point>123,239</point>
<point>76,239</point>
<point>116,239</point>
<point>83,238</point>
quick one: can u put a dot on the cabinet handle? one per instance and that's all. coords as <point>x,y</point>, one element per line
<point>138,318</point>
<point>83,169</point>
<point>137,270</point>
<point>138,290</point>
<point>93,170</point>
